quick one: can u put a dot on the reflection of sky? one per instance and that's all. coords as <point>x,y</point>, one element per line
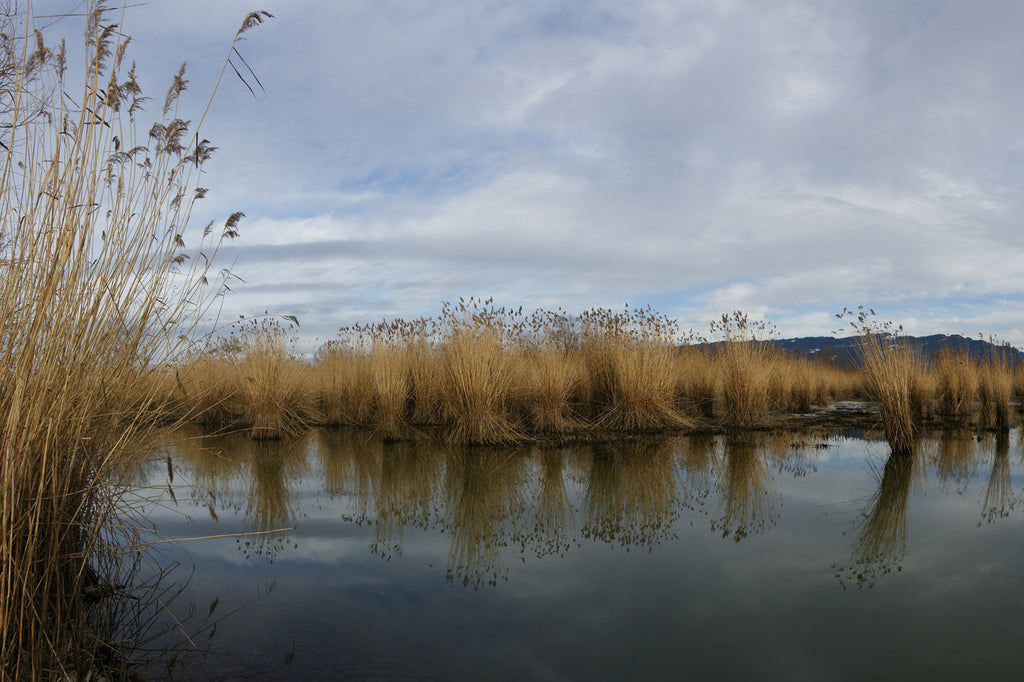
<point>701,605</point>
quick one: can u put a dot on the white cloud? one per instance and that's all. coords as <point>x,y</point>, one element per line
<point>784,158</point>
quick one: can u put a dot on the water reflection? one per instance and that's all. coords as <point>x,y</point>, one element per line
<point>999,493</point>
<point>956,460</point>
<point>881,539</point>
<point>747,489</point>
<point>496,505</point>
<point>631,491</point>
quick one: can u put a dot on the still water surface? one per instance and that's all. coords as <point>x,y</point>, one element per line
<point>801,556</point>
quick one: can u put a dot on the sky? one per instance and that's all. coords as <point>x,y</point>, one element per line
<point>785,159</point>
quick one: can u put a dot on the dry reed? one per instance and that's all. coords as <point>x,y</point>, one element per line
<point>747,363</point>
<point>893,372</point>
<point>96,292</point>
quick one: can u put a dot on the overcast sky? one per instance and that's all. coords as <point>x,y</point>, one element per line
<point>781,158</point>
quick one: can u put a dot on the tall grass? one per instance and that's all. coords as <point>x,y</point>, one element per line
<point>894,374</point>
<point>96,291</point>
<point>957,379</point>
<point>480,374</point>
<point>631,359</point>
<point>995,389</point>
<point>747,363</point>
<point>272,393</point>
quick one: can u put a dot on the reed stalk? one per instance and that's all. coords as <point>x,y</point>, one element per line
<point>97,291</point>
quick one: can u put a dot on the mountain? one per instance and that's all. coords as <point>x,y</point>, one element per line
<point>845,350</point>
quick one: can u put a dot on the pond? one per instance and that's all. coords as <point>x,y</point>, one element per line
<point>794,555</point>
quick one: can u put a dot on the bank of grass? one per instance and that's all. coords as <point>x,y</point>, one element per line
<point>479,374</point>
<point>97,294</point>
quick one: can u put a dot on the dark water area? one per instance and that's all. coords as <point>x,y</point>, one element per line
<point>797,555</point>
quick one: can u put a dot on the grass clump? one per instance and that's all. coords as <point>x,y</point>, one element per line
<point>272,397</point>
<point>894,376</point>
<point>957,382</point>
<point>747,363</point>
<point>479,377</point>
<point>995,389</point>
<point>631,359</point>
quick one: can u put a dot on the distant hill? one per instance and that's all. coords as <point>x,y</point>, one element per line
<point>845,350</point>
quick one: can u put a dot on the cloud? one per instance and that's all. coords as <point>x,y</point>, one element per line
<point>786,158</point>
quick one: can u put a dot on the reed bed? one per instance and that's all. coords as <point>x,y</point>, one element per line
<point>97,292</point>
<point>484,375</point>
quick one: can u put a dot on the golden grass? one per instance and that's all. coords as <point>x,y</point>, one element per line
<point>97,292</point>
<point>748,364</point>
<point>631,360</point>
<point>895,378</point>
<point>343,385</point>
<point>478,374</point>
<point>478,384</point>
<point>995,389</point>
<point>272,396</point>
<point>957,383</point>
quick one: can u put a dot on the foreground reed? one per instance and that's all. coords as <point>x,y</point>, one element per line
<point>97,289</point>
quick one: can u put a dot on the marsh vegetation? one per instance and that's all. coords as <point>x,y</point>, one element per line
<point>102,346</point>
<point>483,375</point>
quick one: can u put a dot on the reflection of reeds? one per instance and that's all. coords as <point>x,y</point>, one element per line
<point>554,512</point>
<point>956,459</point>
<point>631,493</point>
<point>999,494</point>
<point>214,462</point>
<point>698,457</point>
<point>409,479</point>
<point>350,466</point>
<point>747,490</point>
<point>274,467</point>
<point>882,539</point>
<point>483,496</point>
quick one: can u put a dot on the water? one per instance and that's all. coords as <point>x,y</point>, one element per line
<point>786,555</point>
